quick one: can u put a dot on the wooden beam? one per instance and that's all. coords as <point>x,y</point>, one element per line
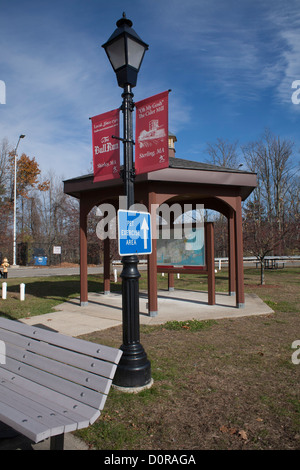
<point>83,254</point>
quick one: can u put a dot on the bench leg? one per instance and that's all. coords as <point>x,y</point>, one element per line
<point>57,442</point>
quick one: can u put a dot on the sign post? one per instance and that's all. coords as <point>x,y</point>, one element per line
<point>57,251</point>
<point>125,50</point>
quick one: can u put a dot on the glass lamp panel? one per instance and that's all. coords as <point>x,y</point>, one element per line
<point>116,53</point>
<point>135,53</point>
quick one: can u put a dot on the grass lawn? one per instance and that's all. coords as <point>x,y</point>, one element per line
<point>224,384</point>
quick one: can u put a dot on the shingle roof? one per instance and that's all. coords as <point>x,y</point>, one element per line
<point>192,165</point>
<point>181,163</point>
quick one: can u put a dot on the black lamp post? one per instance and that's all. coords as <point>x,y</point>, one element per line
<point>126,50</point>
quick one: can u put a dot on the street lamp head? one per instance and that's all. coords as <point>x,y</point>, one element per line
<point>22,136</point>
<point>125,50</point>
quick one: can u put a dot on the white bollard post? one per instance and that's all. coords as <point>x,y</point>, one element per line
<point>22,291</point>
<point>116,275</point>
<point>178,275</point>
<point>4,290</point>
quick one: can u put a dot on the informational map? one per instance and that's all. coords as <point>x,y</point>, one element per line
<point>188,251</point>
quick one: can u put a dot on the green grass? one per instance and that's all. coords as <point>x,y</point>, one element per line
<point>42,294</point>
<point>192,325</point>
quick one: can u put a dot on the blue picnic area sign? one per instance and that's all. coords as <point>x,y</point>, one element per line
<point>134,230</point>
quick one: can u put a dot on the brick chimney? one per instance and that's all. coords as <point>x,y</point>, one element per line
<point>172,140</point>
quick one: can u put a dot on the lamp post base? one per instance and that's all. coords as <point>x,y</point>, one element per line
<point>134,369</point>
<point>133,389</point>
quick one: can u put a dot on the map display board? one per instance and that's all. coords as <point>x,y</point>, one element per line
<point>188,251</point>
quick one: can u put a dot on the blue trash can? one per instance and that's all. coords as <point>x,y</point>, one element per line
<point>40,260</point>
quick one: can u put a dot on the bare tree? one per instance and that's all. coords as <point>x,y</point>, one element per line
<point>269,213</point>
<point>271,158</point>
<point>4,155</point>
<point>223,153</point>
<point>59,215</point>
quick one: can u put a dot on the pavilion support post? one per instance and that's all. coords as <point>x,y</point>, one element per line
<point>210,262</point>
<point>106,267</point>
<point>170,282</point>
<point>171,286</point>
<point>83,255</point>
<point>240,295</point>
<point>152,259</point>
<point>231,254</point>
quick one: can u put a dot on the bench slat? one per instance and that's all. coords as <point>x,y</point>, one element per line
<point>58,384</point>
<point>74,344</point>
<point>97,366</point>
<point>26,406</point>
<point>43,414</point>
<point>52,383</point>
<point>21,423</point>
<point>71,373</point>
<point>41,400</point>
<point>86,414</point>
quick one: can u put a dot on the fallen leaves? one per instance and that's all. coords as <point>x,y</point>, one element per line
<point>243,435</point>
<point>233,431</point>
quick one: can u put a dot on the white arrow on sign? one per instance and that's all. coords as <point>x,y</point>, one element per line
<point>145,228</point>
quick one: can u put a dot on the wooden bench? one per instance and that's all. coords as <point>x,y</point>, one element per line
<point>51,383</point>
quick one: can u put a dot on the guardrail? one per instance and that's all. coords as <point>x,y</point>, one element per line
<point>253,259</point>
<point>249,259</point>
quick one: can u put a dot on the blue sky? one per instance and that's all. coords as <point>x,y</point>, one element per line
<point>230,65</point>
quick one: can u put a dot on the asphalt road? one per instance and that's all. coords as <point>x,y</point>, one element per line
<point>34,271</point>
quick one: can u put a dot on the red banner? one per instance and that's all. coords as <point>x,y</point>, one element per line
<point>106,150</point>
<point>151,142</point>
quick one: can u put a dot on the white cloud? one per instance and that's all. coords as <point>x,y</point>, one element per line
<point>286,19</point>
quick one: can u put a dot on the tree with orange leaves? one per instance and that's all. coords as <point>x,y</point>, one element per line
<point>28,178</point>
<point>28,173</point>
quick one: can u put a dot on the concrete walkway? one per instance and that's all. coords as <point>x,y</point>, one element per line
<point>105,311</point>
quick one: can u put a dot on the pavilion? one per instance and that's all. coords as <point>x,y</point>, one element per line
<point>184,182</point>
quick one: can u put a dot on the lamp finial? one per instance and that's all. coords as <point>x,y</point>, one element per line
<point>124,20</point>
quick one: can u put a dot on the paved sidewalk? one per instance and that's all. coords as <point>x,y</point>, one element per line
<point>105,311</point>
<point>47,271</point>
